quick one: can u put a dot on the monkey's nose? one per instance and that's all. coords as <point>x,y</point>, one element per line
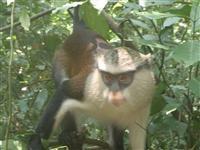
<point>116,98</point>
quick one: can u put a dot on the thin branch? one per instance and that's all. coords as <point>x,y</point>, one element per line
<point>184,33</point>
<point>96,142</point>
<point>157,31</point>
<point>114,26</point>
<point>136,29</point>
<point>182,2</point>
<point>197,70</point>
<point>10,77</point>
<point>35,17</point>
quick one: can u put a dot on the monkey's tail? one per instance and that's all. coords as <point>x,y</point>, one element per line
<point>77,21</point>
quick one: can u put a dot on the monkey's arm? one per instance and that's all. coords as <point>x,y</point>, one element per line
<point>69,105</point>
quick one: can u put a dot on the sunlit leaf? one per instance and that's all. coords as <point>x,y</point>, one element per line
<point>154,15</point>
<point>99,4</point>
<point>9,1</point>
<point>40,67</point>
<point>66,6</point>
<point>146,3</point>
<point>13,145</point>
<point>24,19</point>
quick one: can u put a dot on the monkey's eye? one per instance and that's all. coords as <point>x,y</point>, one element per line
<point>125,78</point>
<point>107,77</point>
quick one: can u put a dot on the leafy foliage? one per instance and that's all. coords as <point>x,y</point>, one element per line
<point>170,31</point>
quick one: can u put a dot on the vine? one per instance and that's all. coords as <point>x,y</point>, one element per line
<point>10,78</point>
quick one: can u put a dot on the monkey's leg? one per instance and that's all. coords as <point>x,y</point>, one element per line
<point>116,137</point>
<point>47,122</point>
<point>138,130</point>
<point>69,135</point>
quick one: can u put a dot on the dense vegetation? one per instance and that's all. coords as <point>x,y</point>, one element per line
<point>170,30</point>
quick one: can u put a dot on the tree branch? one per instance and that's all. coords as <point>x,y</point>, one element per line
<point>96,142</point>
<point>114,26</point>
<point>117,29</point>
<point>41,14</point>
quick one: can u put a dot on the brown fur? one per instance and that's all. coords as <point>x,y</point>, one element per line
<point>76,57</point>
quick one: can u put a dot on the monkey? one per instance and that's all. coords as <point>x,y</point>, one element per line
<point>119,91</point>
<point>113,85</point>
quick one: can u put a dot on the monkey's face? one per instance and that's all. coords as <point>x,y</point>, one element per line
<point>126,76</point>
<point>115,84</point>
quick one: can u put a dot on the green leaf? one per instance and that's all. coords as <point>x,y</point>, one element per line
<point>94,20</point>
<point>171,106</point>
<point>140,24</point>
<point>167,124</point>
<point>177,126</point>
<point>23,106</point>
<point>12,145</point>
<point>154,15</point>
<point>195,15</point>
<point>194,86</point>
<point>40,67</point>
<point>3,126</point>
<point>51,42</point>
<point>151,43</point>
<point>59,3</point>
<point>158,102</point>
<point>188,52</point>
<point>170,21</point>
<point>24,19</point>
<point>183,11</point>
<point>41,98</point>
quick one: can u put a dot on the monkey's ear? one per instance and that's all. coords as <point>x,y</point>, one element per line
<point>147,58</point>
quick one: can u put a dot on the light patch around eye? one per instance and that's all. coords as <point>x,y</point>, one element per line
<point>114,69</point>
